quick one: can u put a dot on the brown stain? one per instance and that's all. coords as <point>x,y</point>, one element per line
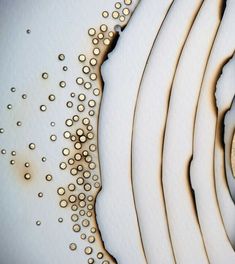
<point>222,8</point>
<point>20,170</point>
<point>102,242</point>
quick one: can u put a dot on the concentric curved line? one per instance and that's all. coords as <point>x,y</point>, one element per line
<point>221,66</point>
<point>141,80</point>
<point>194,118</point>
<point>167,118</point>
<point>213,105</point>
<point>164,128</point>
<point>197,106</point>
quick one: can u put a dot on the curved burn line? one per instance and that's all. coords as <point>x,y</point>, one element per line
<point>197,107</point>
<point>164,132</point>
<point>190,162</point>
<point>194,199</point>
<point>133,121</point>
<point>222,8</point>
<point>194,125</point>
<point>106,57</point>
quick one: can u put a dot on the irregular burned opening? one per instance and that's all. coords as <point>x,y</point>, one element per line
<point>226,144</point>
<point>221,130</point>
<point>217,76</point>
<point>221,120</point>
<point>118,29</point>
<point>105,57</point>
<point>192,192</point>
<point>231,149</point>
<point>219,141</point>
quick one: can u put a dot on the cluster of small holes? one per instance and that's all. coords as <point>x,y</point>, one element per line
<point>80,155</point>
<point>121,11</point>
<point>81,150</point>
